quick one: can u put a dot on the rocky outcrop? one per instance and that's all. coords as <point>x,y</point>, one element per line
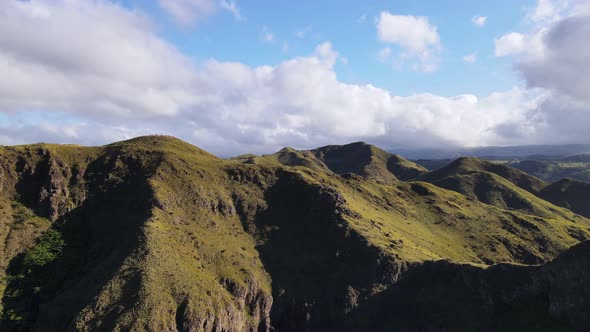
<point>251,314</point>
<point>44,182</point>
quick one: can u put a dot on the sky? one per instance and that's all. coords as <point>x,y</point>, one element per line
<point>238,76</point>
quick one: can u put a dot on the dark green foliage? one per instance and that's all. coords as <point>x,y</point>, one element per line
<point>24,279</point>
<point>49,248</point>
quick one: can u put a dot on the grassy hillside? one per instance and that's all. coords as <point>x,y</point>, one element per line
<point>497,184</point>
<point>569,193</point>
<point>492,189</point>
<point>468,164</point>
<point>359,158</point>
<point>155,234</point>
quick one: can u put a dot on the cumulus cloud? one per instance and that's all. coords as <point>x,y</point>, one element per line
<point>510,44</point>
<point>563,65</point>
<point>417,38</point>
<point>479,21</point>
<point>550,11</point>
<point>53,55</point>
<point>553,57</point>
<point>68,79</point>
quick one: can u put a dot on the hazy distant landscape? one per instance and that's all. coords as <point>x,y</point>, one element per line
<point>549,163</point>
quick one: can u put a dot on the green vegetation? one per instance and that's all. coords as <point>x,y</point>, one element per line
<point>155,234</point>
<point>468,164</point>
<point>49,247</point>
<point>358,158</point>
<point>570,194</point>
<point>25,275</point>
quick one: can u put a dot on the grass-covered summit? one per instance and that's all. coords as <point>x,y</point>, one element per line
<point>358,158</point>
<point>155,234</point>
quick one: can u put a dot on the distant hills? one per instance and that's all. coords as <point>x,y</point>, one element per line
<point>499,152</point>
<point>548,168</point>
<point>154,234</point>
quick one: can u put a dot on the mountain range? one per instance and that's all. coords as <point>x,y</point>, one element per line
<point>498,152</point>
<point>154,234</point>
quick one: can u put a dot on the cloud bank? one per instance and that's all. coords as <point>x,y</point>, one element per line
<point>70,80</point>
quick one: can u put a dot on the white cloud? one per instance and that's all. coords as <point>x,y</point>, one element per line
<point>554,55</point>
<point>549,11</point>
<point>187,11</point>
<point>510,44</point>
<point>413,33</point>
<point>56,87</point>
<point>361,19</point>
<point>266,35</point>
<point>546,10</point>
<point>479,21</point>
<point>553,58</point>
<point>285,47</point>
<point>117,66</point>
<point>326,53</point>
<point>561,62</point>
<point>418,39</point>
<point>232,7</point>
<point>470,58</point>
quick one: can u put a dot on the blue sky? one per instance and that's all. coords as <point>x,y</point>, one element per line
<point>350,26</point>
<point>236,76</point>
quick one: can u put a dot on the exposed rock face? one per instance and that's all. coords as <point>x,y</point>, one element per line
<point>250,299</point>
<point>44,182</point>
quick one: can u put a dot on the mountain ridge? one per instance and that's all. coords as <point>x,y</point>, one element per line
<point>207,243</point>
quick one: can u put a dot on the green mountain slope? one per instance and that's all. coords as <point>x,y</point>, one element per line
<point>358,158</point>
<point>506,187</point>
<point>468,164</point>
<point>569,193</point>
<point>493,189</point>
<point>155,234</point>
